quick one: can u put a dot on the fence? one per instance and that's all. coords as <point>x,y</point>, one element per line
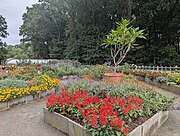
<point>156,68</point>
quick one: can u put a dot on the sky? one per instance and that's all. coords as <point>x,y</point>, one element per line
<point>12,11</point>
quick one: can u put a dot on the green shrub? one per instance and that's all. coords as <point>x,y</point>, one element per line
<point>97,72</point>
<point>162,79</point>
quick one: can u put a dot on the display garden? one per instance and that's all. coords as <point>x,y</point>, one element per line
<point>16,82</point>
<point>102,106</point>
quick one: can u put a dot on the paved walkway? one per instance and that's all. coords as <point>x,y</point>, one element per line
<point>27,120</point>
<point>172,126</point>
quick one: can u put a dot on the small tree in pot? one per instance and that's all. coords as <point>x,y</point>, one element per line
<point>122,40</point>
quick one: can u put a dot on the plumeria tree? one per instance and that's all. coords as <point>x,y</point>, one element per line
<point>121,40</point>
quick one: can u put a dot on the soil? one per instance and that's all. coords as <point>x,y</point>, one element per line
<point>137,122</point>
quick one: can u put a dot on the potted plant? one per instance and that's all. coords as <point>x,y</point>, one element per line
<point>120,41</point>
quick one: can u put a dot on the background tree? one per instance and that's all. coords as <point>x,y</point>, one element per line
<point>20,51</point>
<point>160,19</point>
<point>44,29</point>
<point>3,34</point>
<point>74,29</point>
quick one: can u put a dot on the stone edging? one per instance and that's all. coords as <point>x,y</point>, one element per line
<point>71,128</point>
<point>25,99</point>
<point>172,88</point>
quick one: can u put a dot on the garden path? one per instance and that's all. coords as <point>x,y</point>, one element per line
<point>28,120</point>
<point>172,126</point>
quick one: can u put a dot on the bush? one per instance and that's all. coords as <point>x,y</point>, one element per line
<point>162,79</point>
<point>175,78</point>
<point>96,72</point>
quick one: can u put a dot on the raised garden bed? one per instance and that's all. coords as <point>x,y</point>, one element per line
<point>172,88</point>
<point>117,110</point>
<point>25,99</point>
<point>71,128</point>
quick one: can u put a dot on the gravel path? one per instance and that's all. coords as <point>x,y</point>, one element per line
<point>28,120</point>
<point>172,126</point>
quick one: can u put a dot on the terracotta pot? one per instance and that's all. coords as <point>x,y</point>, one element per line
<point>114,77</point>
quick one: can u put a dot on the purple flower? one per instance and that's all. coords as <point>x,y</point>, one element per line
<point>178,107</point>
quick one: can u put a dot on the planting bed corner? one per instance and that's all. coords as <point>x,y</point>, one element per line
<point>71,128</point>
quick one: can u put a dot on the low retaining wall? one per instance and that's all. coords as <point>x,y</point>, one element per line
<point>71,128</point>
<point>140,78</point>
<point>172,88</point>
<point>25,99</point>
<point>64,124</point>
<point>151,125</point>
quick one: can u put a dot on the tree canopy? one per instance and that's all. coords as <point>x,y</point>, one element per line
<point>3,34</point>
<point>74,29</point>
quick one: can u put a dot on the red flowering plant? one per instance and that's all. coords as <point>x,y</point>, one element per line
<point>105,115</point>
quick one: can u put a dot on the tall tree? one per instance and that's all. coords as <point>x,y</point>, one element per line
<point>43,25</point>
<point>3,34</point>
<point>89,21</point>
<point>75,28</point>
<point>160,19</point>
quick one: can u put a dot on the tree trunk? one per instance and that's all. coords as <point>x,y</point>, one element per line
<point>115,66</point>
<point>129,10</point>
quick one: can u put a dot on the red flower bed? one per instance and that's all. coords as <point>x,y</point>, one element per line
<point>105,115</point>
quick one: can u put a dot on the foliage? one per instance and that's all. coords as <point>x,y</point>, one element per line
<point>91,102</point>
<point>175,78</point>
<point>96,72</point>
<point>74,29</point>
<point>162,79</point>
<point>159,76</point>
<point>141,73</point>
<point>152,101</point>
<point>123,68</point>
<point>154,75</point>
<point>3,27</point>
<point>3,34</point>
<point>18,82</point>
<point>12,83</point>
<point>21,51</point>
<point>121,40</point>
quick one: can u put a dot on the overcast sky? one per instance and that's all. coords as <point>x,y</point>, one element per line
<point>12,11</point>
